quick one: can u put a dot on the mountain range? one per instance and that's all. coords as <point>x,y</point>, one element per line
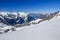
<point>14,20</point>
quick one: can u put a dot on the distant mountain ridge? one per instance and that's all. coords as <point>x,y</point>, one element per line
<point>18,18</point>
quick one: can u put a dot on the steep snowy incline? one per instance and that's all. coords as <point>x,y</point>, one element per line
<point>47,30</point>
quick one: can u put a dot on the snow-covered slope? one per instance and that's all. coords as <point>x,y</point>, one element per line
<point>15,20</point>
<point>47,30</point>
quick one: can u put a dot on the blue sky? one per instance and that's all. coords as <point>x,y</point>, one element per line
<point>30,5</point>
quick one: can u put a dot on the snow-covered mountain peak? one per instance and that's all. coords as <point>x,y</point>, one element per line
<point>3,13</point>
<point>22,14</point>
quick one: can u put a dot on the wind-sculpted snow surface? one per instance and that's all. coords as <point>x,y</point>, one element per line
<point>11,21</point>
